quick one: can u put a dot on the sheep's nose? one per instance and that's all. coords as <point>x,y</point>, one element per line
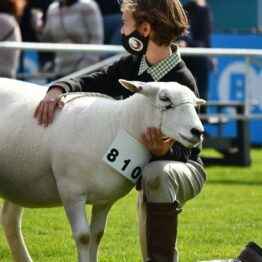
<point>196,132</point>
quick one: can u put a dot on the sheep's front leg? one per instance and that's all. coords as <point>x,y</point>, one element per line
<point>98,222</point>
<point>11,221</point>
<point>76,213</point>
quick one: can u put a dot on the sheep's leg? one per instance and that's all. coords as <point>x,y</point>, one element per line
<point>11,221</point>
<point>76,213</point>
<point>98,222</point>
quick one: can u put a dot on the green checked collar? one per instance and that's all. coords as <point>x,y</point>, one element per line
<point>161,69</point>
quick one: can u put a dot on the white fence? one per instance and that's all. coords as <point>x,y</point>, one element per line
<point>250,55</point>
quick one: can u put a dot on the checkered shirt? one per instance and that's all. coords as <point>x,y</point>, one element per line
<point>161,69</point>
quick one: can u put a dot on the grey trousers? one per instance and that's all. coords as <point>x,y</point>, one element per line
<point>165,182</point>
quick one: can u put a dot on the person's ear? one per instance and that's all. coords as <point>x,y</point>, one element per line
<point>144,29</point>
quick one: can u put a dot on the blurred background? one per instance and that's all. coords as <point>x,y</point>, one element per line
<point>235,24</point>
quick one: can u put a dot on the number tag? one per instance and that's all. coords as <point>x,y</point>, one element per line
<point>127,156</point>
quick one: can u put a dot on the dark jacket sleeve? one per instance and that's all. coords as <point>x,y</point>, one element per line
<point>177,153</point>
<point>104,81</point>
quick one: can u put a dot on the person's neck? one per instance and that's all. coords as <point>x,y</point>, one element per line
<point>156,53</point>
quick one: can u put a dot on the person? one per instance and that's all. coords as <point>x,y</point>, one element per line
<point>175,174</point>
<point>200,20</point>
<point>34,9</point>
<point>72,21</point>
<point>10,13</point>
<point>111,20</point>
<point>251,253</point>
<point>27,31</point>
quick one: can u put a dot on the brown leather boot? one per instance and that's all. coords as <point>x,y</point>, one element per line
<point>161,231</point>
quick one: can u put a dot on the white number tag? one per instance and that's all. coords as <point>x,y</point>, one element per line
<point>127,156</point>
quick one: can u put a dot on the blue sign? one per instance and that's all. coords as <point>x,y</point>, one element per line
<point>30,65</point>
<point>229,80</point>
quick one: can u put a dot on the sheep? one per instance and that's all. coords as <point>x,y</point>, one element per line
<point>61,165</point>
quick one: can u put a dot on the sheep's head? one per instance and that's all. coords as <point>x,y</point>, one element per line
<point>176,106</point>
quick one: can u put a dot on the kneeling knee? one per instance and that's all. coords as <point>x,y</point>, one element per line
<point>153,176</point>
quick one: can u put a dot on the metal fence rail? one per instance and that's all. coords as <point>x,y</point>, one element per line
<point>47,47</point>
<point>250,55</point>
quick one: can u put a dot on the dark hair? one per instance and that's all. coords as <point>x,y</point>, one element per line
<point>166,17</point>
<point>13,7</point>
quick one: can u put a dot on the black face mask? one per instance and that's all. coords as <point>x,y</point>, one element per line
<point>135,43</point>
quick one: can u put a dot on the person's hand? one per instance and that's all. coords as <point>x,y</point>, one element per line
<point>153,140</point>
<point>36,20</point>
<point>44,111</point>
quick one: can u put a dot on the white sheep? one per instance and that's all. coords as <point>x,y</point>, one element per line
<point>62,164</point>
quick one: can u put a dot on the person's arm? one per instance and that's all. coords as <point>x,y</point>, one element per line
<point>105,82</point>
<point>177,152</point>
<point>164,149</point>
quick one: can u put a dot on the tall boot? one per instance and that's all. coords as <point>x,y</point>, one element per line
<point>161,225</point>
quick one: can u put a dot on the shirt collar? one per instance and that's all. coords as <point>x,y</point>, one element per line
<point>159,70</point>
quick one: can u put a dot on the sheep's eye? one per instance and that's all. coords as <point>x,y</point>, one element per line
<point>165,98</point>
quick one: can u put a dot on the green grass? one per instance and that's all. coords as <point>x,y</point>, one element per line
<point>216,224</point>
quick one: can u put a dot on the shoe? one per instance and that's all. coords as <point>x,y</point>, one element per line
<point>251,253</point>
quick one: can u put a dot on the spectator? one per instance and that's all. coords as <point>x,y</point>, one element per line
<point>10,13</point>
<point>199,15</point>
<point>72,21</point>
<point>175,175</point>
<point>29,35</point>
<point>28,32</point>
<point>112,21</point>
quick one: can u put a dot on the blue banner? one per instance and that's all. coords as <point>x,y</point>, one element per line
<point>227,83</point>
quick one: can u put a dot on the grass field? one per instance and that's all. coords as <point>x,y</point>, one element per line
<point>216,224</point>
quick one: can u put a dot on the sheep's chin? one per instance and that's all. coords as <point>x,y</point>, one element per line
<point>183,140</point>
<point>187,142</point>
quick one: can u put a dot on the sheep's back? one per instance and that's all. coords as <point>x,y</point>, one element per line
<point>72,146</point>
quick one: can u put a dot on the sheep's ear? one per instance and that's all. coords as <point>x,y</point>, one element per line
<point>200,101</point>
<point>137,87</point>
